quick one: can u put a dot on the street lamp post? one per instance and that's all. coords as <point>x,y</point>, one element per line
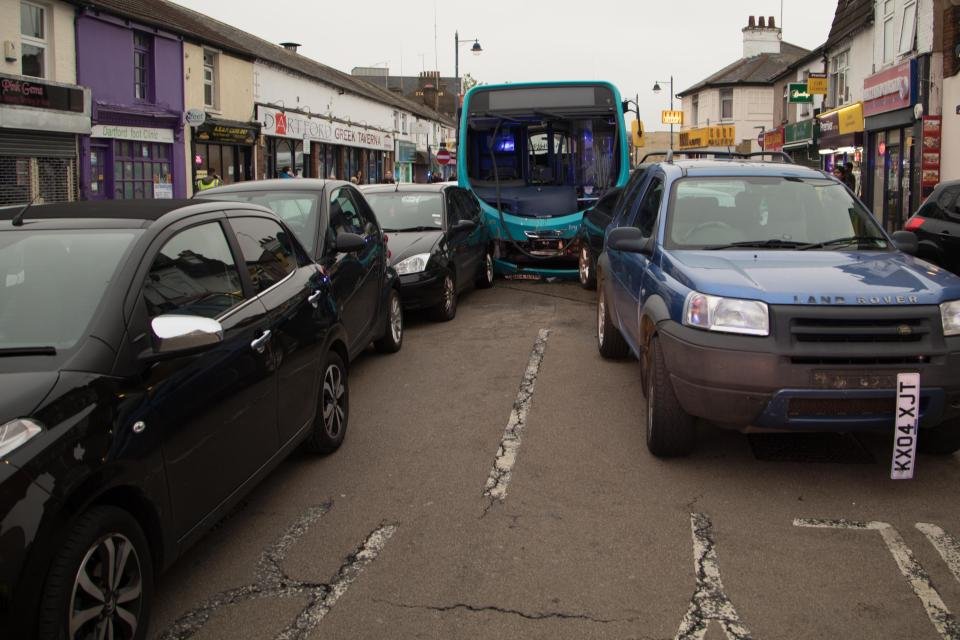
<point>476,49</point>
<point>656,89</point>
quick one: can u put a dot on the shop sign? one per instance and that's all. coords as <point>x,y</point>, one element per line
<point>33,93</point>
<point>406,151</point>
<point>163,190</point>
<point>773,139</point>
<point>719,136</point>
<point>797,93</point>
<point>889,90</point>
<point>139,134</point>
<point>671,117</point>
<point>845,120</point>
<point>212,131</point>
<point>195,117</point>
<point>817,84</point>
<point>931,151</point>
<point>798,132</point>
<point>287,124</point>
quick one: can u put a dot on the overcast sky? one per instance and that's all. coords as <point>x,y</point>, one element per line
<point>631,44</point>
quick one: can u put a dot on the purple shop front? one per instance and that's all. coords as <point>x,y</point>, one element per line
<point>135,73</point>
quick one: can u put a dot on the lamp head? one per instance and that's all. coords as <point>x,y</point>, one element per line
<point>656,87</point>
<point>476,48</point>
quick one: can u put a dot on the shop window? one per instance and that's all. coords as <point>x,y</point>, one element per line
<point>908,29</point>
<point>142,58</point>
<point>839,71</point>
<point>403,123</point>
<point>210,75</point>
<point>33,40</point>
<point>396,121</point>
<point>726,104</point>
<point>137,166</point>
<point>888,6</point>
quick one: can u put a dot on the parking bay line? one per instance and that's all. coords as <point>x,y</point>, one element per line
<point>499,478</point>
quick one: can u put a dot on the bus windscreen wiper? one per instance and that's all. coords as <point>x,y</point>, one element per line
<point>772,243</point>
<point>841,241</point>
<point>27,351</point>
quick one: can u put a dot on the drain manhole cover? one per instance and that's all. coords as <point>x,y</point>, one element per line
<point>842,448</point>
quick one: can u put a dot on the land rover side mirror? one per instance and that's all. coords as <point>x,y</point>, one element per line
<point>630,239</point>
<point>175,334</point>
<point>349,242</point>
<point>907,242</point>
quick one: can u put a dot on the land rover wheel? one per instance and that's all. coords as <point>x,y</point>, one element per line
<point>671,431</point>
<point>609,339</point>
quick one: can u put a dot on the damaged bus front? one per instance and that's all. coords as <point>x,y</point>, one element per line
<point>537,155</point>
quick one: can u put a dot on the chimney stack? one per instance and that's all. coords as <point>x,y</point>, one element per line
<point>290,46</point>
<point>761,35</point>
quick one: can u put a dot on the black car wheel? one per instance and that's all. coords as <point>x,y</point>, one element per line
<point>392,338</point>
<point>447,308</point>
<point>609,339</point>
<point>940,440</point>
<point>671,431</point>
<point>330,425</point>
<point>588,276</point>
<point>101,580</point>
<point>485,276</point>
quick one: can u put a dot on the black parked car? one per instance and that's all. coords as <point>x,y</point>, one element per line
<point>438,241</point>
<point>365,287</point>
<point>157,359</point>
<point>937,225</point>
<point>590,235</point>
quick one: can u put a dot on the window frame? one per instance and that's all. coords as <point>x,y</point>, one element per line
<point>726,97</point>
<point>213,82</point>
<point>888,7</point>
<point>910,45</point>
<point>695,109</point>
<point>40,43</point>
<point>839,69</point>
<point>142,74</point>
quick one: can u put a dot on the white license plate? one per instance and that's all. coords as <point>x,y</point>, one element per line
<point>904,461</point>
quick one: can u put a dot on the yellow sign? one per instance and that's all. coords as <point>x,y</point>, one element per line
<point>817,85</point>
<point>719,136</point>
<point>671,117</point>
<point>636,133</point>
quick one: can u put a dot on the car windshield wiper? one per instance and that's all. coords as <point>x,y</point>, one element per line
<point>27,351</point>
<point>840,241</point>
<point>420,228</point>
<point>772,243</point>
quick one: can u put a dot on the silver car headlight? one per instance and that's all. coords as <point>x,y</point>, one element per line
<point>728,315</point>
<point>950,316</point>
<point>16,433</point>
<point>413,264</point>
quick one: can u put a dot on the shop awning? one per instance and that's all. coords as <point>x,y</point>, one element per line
<point>839,128</point>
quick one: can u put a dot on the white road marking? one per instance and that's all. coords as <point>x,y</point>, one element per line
<point>944,622</point>
<point>709,601</point>
<point>947,545</point>
<point>499,478</point>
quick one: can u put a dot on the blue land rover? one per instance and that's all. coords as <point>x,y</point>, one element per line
<point>760,294</point>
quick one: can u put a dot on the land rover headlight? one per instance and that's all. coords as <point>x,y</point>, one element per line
<point>950,316</point>
<point>16,433</point>
<point>727,315</point>
<point>413,264</point>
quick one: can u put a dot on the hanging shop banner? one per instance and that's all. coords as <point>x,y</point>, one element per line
<point>773,139</point>
<point>797,93</point>
<point>289,124</point>
<point>671,117</point>
<point>840,122</point>
<point>226,133</point>
<point>931,150</point>
<point>817,84</point>
<point>719,136</point>
<point>406,151</point>
<point>798,133</point>
<point>890,90</point>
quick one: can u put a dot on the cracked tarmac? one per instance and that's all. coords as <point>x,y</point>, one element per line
<point>593,538</point>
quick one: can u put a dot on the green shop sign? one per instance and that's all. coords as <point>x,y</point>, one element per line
<point>799,132</point>
<point>797,92</point>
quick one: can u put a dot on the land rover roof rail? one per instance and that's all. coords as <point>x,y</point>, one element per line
<point>784,157</point>
<point>728,154</point>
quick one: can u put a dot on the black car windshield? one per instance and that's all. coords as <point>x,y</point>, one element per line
<point>770,213</point>
<point>299,210</point>
<point>51,283</point>
<point>403,210</point>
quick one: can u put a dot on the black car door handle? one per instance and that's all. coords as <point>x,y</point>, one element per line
<point>260,343</point>
<point>314,298</point>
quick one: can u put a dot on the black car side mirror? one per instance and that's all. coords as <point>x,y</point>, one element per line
<point>175,335</point>
<point>907,242</point>
<point>349,242</point>
<point>630,239</point>
<point>464,225</point>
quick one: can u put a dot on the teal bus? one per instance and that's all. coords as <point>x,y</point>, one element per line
<point>536,155</point>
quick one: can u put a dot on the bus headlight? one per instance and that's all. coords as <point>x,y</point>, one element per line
<point>727,315</point>
<point>413,264</point>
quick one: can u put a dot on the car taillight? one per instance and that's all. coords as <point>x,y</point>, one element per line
<point>914,223</point>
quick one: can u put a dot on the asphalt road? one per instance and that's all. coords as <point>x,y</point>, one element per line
<point>495,483</point>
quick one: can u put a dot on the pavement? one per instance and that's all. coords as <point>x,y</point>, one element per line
<point>495,483</point>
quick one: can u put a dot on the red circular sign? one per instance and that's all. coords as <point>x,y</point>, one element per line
<point>443,156</point>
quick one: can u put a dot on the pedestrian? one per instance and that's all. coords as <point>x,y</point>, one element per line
<point>285,172</point>
<point>849,178</point>
<point>209,181</point>
<point>838,173</point>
